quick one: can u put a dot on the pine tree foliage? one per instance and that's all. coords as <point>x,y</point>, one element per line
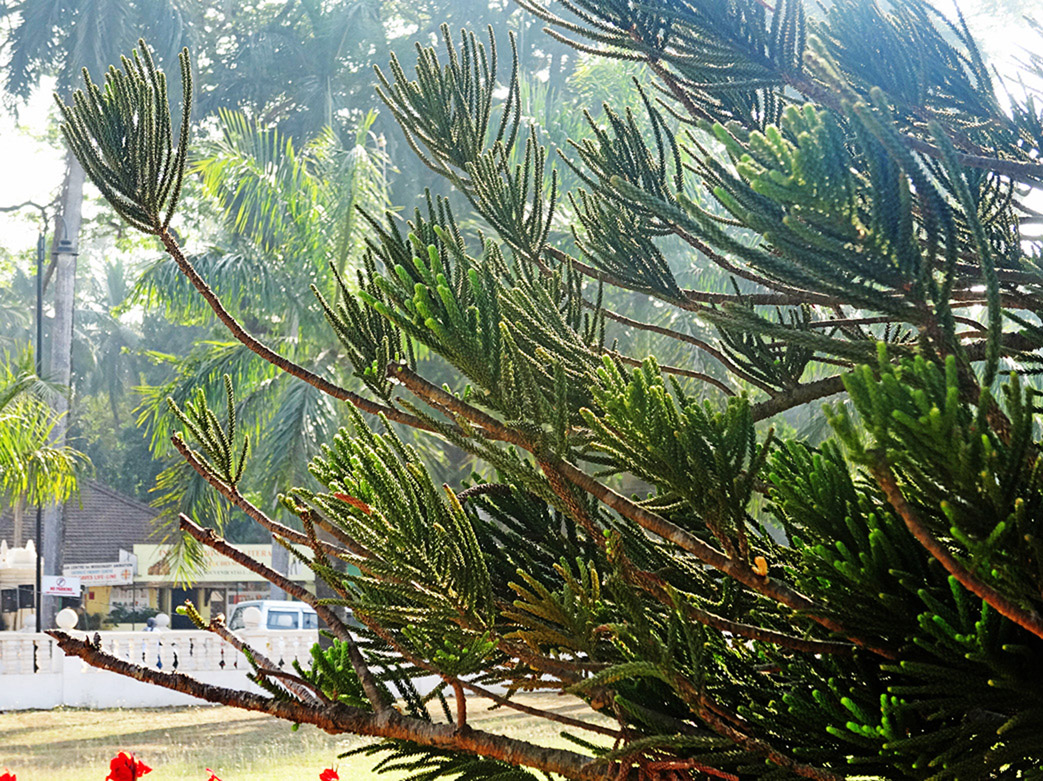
<point>125,132</point>
<point>737,603</point>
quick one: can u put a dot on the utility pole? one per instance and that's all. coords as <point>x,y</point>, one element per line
<point>67,230</point>
<point>41,245</point>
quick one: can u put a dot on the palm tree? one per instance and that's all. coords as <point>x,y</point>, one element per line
<point>107,358</point>
<point>32,471</point>
<point>58,38</point>
<point>293,64</point>
<point>289,212</point>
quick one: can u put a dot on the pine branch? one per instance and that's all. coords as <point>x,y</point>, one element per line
<point>709,349</point>
<point>834,648</point>
<point>232,494</point>
<point>1029,620</point>
<point>977,158</point>
<point>256,346</point>
<point>650,521</point>
<point>830,386</point>
<point>211,540</point>
<point>461,683</point>
<point>667,369</point>
<point>303,689</point>
<point>734,728</point>
<point>656,586</point>
<point>350,544</point>
<point>337,718</point>
<point>1029,173</point>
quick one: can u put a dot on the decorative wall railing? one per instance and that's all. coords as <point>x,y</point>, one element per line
<point>34,673</point>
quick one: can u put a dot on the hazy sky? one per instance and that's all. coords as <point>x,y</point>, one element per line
<point>29,170</point>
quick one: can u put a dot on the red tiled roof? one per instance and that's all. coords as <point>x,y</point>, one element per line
<point>96,526</point>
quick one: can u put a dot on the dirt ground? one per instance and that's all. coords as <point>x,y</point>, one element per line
<point>181,743</point>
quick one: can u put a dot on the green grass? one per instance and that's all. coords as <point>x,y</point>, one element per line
<point>179,743</point>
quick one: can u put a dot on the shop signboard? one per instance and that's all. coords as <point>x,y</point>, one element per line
<point>153,566</point>
<point>129,598</point>
<point>248,594</point>
<point>105,574</point>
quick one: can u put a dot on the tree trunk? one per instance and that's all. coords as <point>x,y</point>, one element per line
<point>18,513</point>
<point>60,367</point>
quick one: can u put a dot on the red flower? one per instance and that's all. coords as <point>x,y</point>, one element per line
<point>8,776</point>
<point>213,775</point>
<point>124,767</point>
<point>329,774</point>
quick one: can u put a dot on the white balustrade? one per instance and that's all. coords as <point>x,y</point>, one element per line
<point>176,650</point>
<point>34,673</point>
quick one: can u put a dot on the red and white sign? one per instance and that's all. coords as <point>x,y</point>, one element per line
<point>61,586</point>
<point>114,574</point>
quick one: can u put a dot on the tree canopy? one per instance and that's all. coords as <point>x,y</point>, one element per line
<point>740,601</point>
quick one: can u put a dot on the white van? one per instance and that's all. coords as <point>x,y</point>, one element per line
<point>276,614</point>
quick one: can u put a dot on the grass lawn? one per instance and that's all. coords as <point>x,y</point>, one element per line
<point>178,743</point>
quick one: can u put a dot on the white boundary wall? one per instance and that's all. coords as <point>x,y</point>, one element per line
<point>35,674</point>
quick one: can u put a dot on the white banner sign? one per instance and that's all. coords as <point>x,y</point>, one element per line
<point>115,574</point>
<point>61,586</point>
<point>153,566</point>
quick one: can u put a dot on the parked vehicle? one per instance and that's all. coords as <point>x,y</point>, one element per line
<point>275,614</point>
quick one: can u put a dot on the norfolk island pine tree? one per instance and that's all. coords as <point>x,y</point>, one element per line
<point>868,607</point>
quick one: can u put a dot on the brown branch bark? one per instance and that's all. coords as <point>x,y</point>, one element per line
<point>358,663</point>
<point>658,768</point>
<point>650,521</point>
<point>1023,172</point>
<point>295,680</point>
<point>829,386</point>
<point>259,348</point>
<point>1029,620</point>
<point>303,689</point>
<point>802,394</point>
<point>855,321</point>
<point>337,718</point>
<point>755,299</point>
<point>231,493</point>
